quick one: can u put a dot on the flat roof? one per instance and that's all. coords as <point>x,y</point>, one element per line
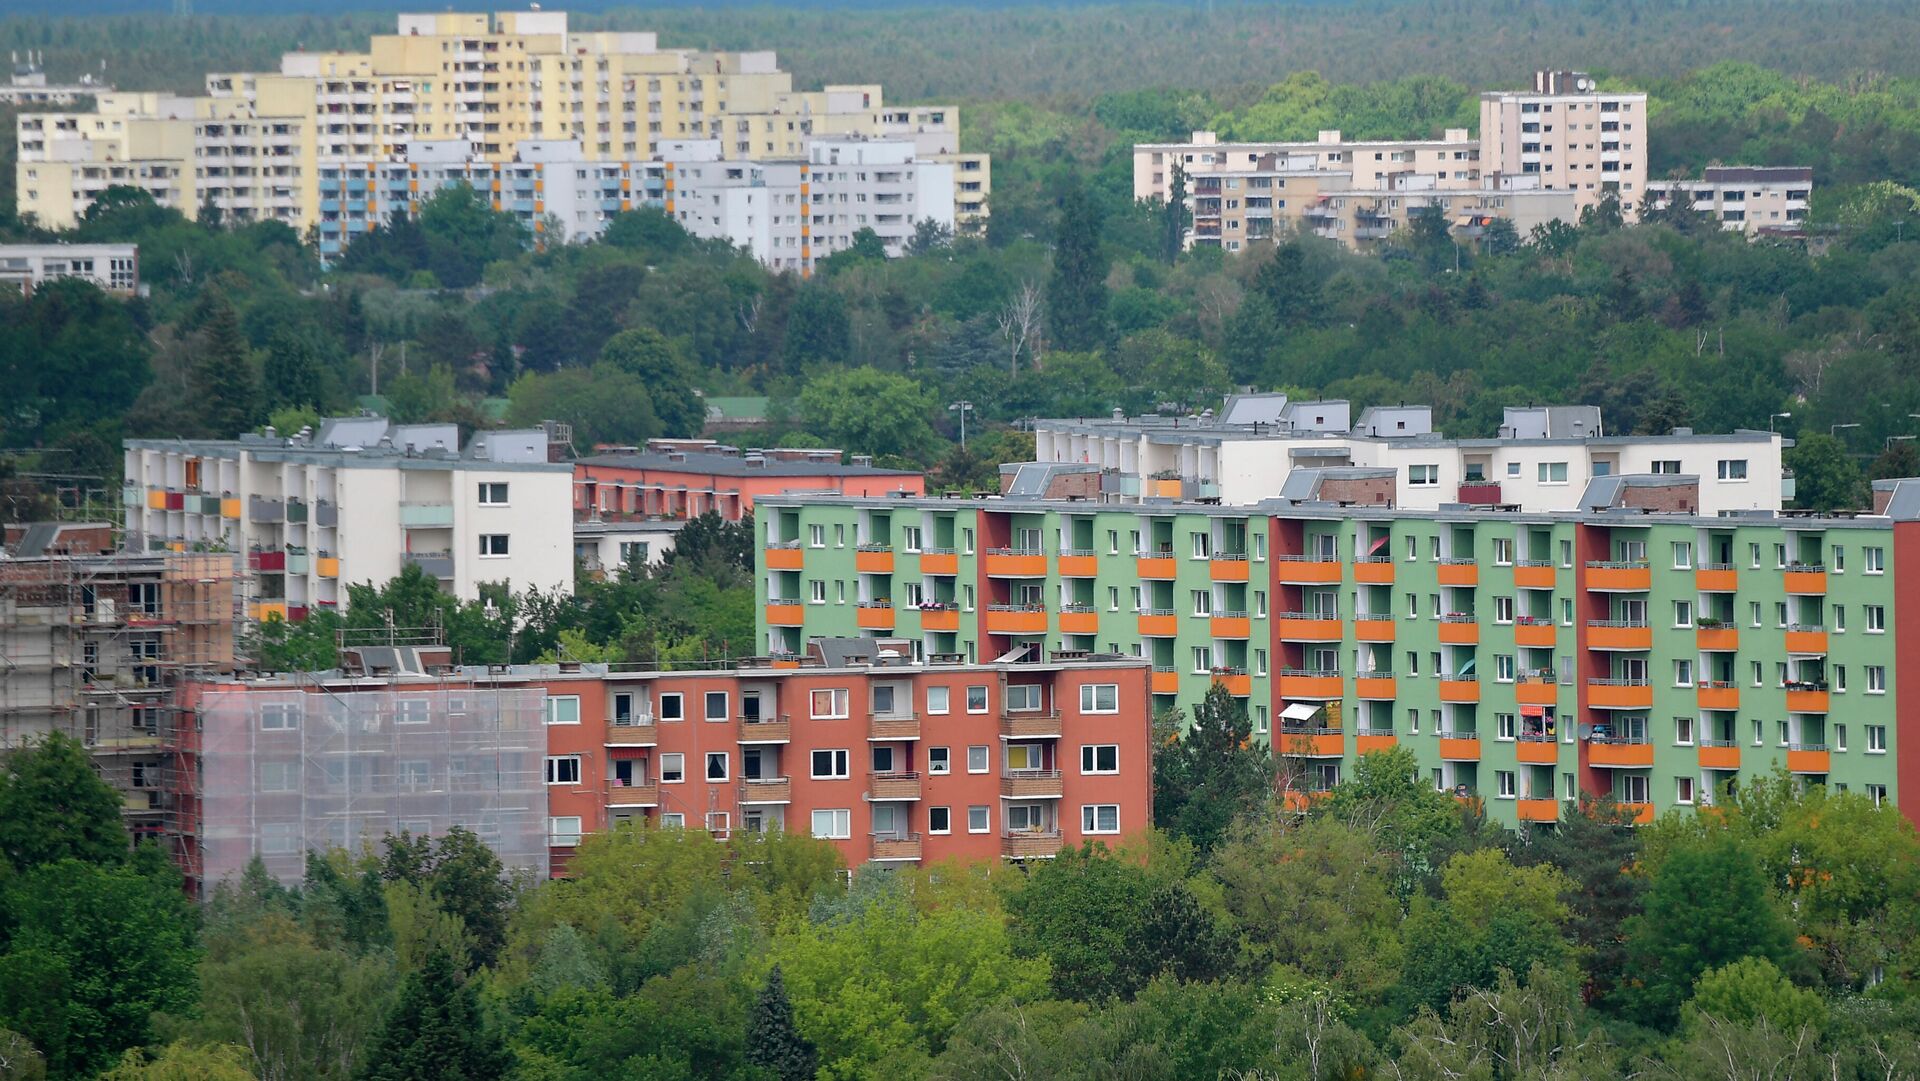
<point>726,465</point>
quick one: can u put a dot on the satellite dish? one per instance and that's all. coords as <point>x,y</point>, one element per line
<point>1586,731</point>
<point>1584,84</point>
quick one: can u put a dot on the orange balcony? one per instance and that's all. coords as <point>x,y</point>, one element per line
<point>1029,724</point>
<point>1459,631</point>
<point>1619,694</point>
<point>1806,701</point>
<point>1459,573</point>
<point>1537,810</point>
<point>1537,691</point>
<point>939,563</point>
<point>1460,748</point>
<point>1717,639</point>
<point>1716,579</point>
<point>1367,628</point>
<point>1016,619</point>
<point>1302,800</point>
<point>1307,684</point>
<point>893,786</point>
<point>1154,567</point>
<point>1368,744</point>
<point>1015,563</point>
<point>1619,755</point>
<point>1376,686</point>
<point>1639,813</point>
<point>1619,577</point>
<point>1306,627</point>
<point>1377,571</point>
<point>874,615</point>
<point>1231,627</point>
<point>873,559</point>
<point>1718,695</point>
<point>1808,761</point>
<point>1536,574</point>
<point>1306,571</point>
<point>1223,569</point>
<point>1612,634</point>
<point>632,794</point>
<point>1079,620</point>
<point>1807,582</point>
<point>1806,640</point>
<point>770,730</point>
<point>1459,690</point>
<point>1030,784</point>
<point>896,848</point>
<point>327,566</point>
<point>785,613</point>
<point>767,790</point>
<point>1317,743</point>
<point>1723,757</point>
<point>893,728</point>
<point>939,619</point>
<point>1166,681</point>
<point>1078,566</point>
<point>1032,845</point>
<point>1238,684</point>
<point>784,557</point>
<point>1540,751</point>
<point>1159,624</point>
<point>1536,632</point>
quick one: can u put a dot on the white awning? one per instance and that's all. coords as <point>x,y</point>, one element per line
<point>1299,711</point>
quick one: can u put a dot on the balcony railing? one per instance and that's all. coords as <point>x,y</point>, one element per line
<point>1030,844</point>
<point>1030,784</point>
<point>635,731</point>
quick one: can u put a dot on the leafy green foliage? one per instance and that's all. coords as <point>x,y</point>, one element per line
<point>435,1032</point>
<point>1211,776</point>
<point>773,1043</point>
<point>54,807</point>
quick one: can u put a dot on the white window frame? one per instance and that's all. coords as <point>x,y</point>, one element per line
<point>489,542</point>
<point>1093,695</point>
<point>555,715</point>
<point>839,823</point>
<point>1090,815</point>
<point>488,490</point>
<point>555,766</point>
<point>838,702</point>
<point>1090,755</point>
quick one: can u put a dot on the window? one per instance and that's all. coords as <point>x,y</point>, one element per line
<point>673,820</point>
<point>493,494</point>
<point>1874,560</point>
<point>1413,549</point>
<point>1100,758</point>
<point>817,591</point>
<point>1633,789</point>
<point>1753,610</point>
<point>1876,619</point>
<point>1503,609</point>
<point>1733,469</point>
<point>563,831</point>
<point>673,768</point>
<point>1503,724</point>
<point>1876,739</point>
<point>1553,472</point>
<point>1839,619</point>
<point>1876,679</point>
<point>563,769</point>
<point>938,699</point>
<point>719,823</point>
<point>1683,672</point>
<point>828,704</point>
<point>978,820</point>
<point>282,716</point>
<point>1503,667</point>
<point>830,765</point>
<point>563,709</point>
<point>1666,465</point>
<point>1682,555</point>
<point>1260,720</point>
<point>1683,790</point>
<point>1839,562</point>
<point>1839,737</point>
<point>493,544</point>
<point>833,825</point>
<point>1202,602</point>
<point>717,765</point>
<point>717,706</point>
<point>1423,476</point>
<point>1683,613</point>
<point>673,707</point>
<point>1100,698</point>
<point>816,536</point>
<point>1413,606</point>
<point>1203,658</point>
<point>977,699</point>
<point>1502,551</point>
<point>939,820</point>
<point>1840,678</point>
<point>1100,818</point>
<point>1202,545</point>
<point>275,776</point>
<point>977,759</point>
<point>1503,778</point>
<point>1683,731</point>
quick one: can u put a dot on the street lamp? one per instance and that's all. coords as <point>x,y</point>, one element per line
<point>963,408</point>
<point>1774,417</point>
<point>1834,430</point>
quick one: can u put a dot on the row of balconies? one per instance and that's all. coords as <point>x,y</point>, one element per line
<point>899,786</point>
<point>643,731</point>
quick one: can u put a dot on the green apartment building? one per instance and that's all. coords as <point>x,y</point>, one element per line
<point>1525,659</point>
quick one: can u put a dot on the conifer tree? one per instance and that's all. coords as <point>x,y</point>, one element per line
<point>224,381</point>
<point>1077,294</point>
<point>435,1032</point>
<point>773,1043</point>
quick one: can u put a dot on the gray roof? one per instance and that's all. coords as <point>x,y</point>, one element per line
<point>1034,478</point>
<point>1752,174</point>
<point>1905,504</point>
<point>1303,485</point>
<point>1253,409</point>
<point>726,465</point>
<point>36,539</point>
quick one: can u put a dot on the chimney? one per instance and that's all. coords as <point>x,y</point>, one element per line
<point>863,461</point>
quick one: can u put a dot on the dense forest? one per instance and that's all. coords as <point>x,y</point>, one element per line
<point>1388,932</point>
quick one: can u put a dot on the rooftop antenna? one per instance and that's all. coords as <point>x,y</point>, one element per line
<point>182,9</point>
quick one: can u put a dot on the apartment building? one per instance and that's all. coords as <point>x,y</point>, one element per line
<point>1543,459</point>
<point>27,84</point>
<point>895,760</point>
<point>1753,200</point>
<point>1572,135</point>
<point>113,267</point>
<point>685,478</point>
<point>1233,210</point>
<point>1453,160</point>
<point>65,160</point>
<point>1631,647</point>
<point>355,502</point>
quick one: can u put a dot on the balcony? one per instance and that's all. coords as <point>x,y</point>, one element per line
<point>892,728</point>
<point>1310,684</point>
<point>426,515</point>
<point>1374,571</point>
<point>1716,638</point>
<point>1165,681</point>
<point>1231,625</point>
<point>632,732</point>
<point>1228,567</point>
<point>1369,740</point>
<point>1619,635</point>
<point>1608,577</point>
<point>1715,578</point>
<point>1619,753</point>
<point>767,730</point>
<point>1079,619</point>
<point>1030,845</point>
<point>1479,493</point>
<point>1159,623</point>
<point>1016,619</point>
<point>1537,810</point>
<point>1807,641</point>
<point>1806,697</point>
<point>1015,563</point>
<point>893,786</point>
<point>326,566</point>
<point>1805,579</point>
<point>1029,724</point>
<point>1533,574</point>
<point>1306,570</point>
<point>1540,750</point>
<point>784,556</point>
<point>873,559</point>
<point>785,613</point>
<point>1719,754</point>
<point>1810,758</point>
<point>1310,742</point>
<point>1235,680</point>
<point>1077,564</point>
<point>939,561</point>
<point>1459,690</point>
<point>1459,572</point>
<point>267,562</point>
<point>1460,747</point>
<point>1373,627</point>
<point>633,794</point>
<point>1457,629</point>
<point>766,790</point>
<point>263,511</point>
<point>1030,784</point>
<point>1156,567</point>
<point>1375,686</point>
<point>1619,694</point>
<point>1535,631</point>
<point>874,615</point>
<point>888,847</point>
<point>434,564</point>
<point>1307,627</point>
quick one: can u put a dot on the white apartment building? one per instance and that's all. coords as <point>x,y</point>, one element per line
<point>1542,460</point>
<point>1744,198</point>
<point>306,515</point>
<point>113,267</point>
<point>1573,135</point>
<point>1453,160</point>
<point>27,84</point>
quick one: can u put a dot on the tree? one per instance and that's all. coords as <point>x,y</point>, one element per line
<point>182,1061</point>
<point>19,1059</point>
<point>1752,989</point>
<point>1499,238</point>
<point>606,406</point>
<point>929,235</point>
<point>1077,292</point>
<point>712,545</point>
<point>867,411</point>
<point>1519,1028</point>
<point>225,386</point>
<point>1019,324</point>
<point>54,807</point>
<point>773,1043</point>
<point>293,375</point>
<point>435,1032</point>
<point>644,352</point>
<point>1386,798</point>
<point>1213,775</point>
<point>1174,216</point>
<point>463,233</point>
<point>1825,477</point>
<point>1595,844</point>
<point>647,229</point>
<point>1901,459</point>
<point>818,329</point>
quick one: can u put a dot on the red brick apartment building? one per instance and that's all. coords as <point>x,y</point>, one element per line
<point>894,761</point>
<point>685,478</point>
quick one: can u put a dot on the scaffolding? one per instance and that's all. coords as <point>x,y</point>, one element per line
<point>311,763</point>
